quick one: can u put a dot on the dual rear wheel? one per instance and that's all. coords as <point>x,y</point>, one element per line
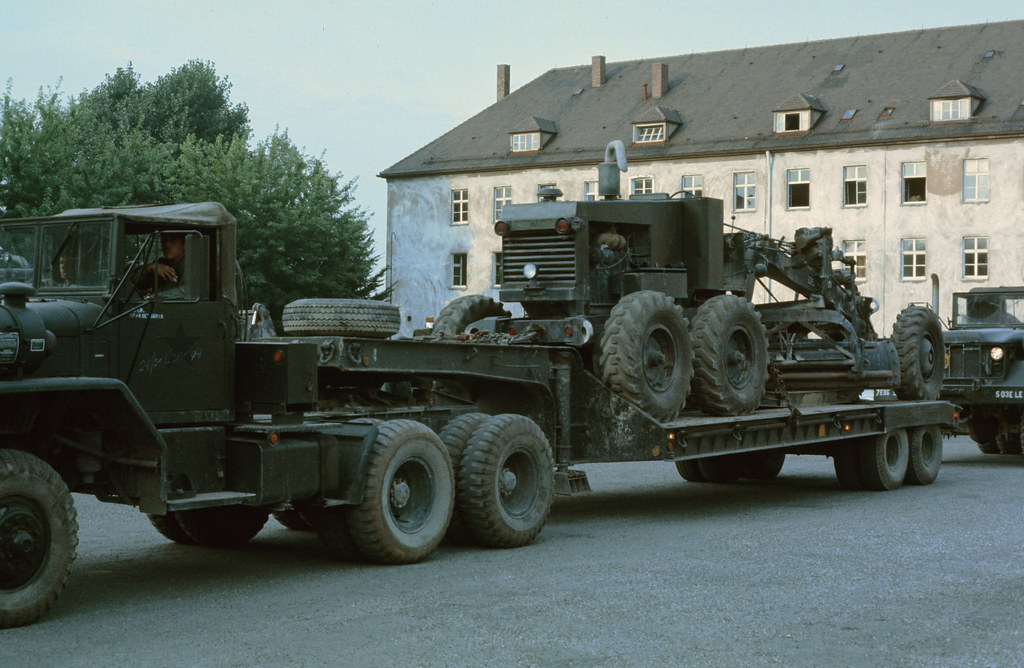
<point>887,461</point>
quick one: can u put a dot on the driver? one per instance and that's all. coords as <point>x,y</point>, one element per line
<point>166,272</point>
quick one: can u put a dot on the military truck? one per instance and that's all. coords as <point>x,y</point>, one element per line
<point>984,348</point>
<point>154,393</point>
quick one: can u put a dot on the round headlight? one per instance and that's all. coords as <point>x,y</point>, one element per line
<point>996,354</point>
<point>530,271</point>
<point>501,228</point>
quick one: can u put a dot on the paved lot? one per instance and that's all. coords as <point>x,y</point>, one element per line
<point>647,570</point>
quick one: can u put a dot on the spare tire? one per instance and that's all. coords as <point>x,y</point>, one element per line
<point>917,336</point>
<point>341,317</point>
<point>463,311</point>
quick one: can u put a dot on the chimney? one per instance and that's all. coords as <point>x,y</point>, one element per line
<point>596,71</point>
<point>659,75</point>
<point>503,77</point>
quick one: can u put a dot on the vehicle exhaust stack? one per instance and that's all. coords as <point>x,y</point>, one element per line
<point>608,171</point>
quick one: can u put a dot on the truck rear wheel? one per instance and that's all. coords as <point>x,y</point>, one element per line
<point>169,527</point>
<point>38,537</point>
<point>341,317</point>
<point>459,313</point>
<point>846,461</point>
<point>224,526</point>
<point>689,470</point>
<point>925,455</point>
<point>723,469</point>
<point>730,356</point>
<point>917,336</point>
<point>646,355</point>
<point>455,436</point>
<point>883,460</point>
<point>762,465</point>
<point>506,481</point>
<point>408,495</point>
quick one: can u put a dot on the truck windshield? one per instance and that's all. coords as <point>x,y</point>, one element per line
<point>988,310</point>
<point>17,253</point>
<point>75,255</point>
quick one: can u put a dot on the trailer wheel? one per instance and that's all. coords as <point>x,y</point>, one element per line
<point>925,455</point>
<point>723,469</point>
<point>730,356</point>
<point>689,470</point>
<point>762,465</point>
<point>332,528</point>
<point>506,481</point>
<point>459,313</point>
<point>883,460</point>
<point>38,537</point>
<point>984,431</point>
<point>917,336</point>
<point>407,496</point>
<point>646,355</point>
<point>292,519</point>
<point>455,436</point>
<point>169,527</point>
<point>223,526</point>
<point>846,460</point>
<point>341,317</point>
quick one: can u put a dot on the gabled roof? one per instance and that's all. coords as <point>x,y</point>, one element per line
<point>534,124</point>
<point>658,114</point>
<point>954,90</point>
<point>799,102</point>
<point>727,99</point>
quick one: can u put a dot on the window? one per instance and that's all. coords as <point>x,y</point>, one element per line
<point>798,182</point>
<point>855,251</point>
<point>525,141</point>
<point>975,257</point>
<point>887,112</point>
<point>693,185</point>
<point>496,273</point>
<point>848,115</point>
<point>914,182</point>
<point>502,196</point>
<point>459,266</point>
<point>641,185</point>
<point>590,191</point>
<point>744,192</point>
<point>644,134</point>
<point>838,68</point>
<point>460,207</point>
<point>951,110</point>
<point>792,121</point>
<point>976,180</point>
<point>855,185</point>
<point>912,256</point>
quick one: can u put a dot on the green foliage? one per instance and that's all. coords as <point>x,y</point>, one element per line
<point>179,139</point>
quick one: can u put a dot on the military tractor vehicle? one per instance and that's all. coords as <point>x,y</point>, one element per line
<point>985,366</point>
<point>657,293</point>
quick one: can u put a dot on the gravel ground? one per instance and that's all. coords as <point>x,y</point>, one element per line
<point>647,570</point>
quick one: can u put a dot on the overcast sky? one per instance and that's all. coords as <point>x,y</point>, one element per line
<point>367,83</point>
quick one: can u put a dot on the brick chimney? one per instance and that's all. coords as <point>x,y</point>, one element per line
<point>597,71</point>
<point>659,77</point>
<point>503,78</point>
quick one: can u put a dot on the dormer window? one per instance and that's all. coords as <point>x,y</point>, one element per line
<point>792,121</point>
<point>531,134</point>
<point>525,141</point>
<point>798,114</point>
<point>951,110</point>
<point>956,101</point>
<point>646,134</point>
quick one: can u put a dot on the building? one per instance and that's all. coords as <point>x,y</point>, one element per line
<point>909,145</point>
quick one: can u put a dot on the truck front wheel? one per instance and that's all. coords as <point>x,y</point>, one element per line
<point>983,431</point>
<point>38,537</point>
<point>408,495</point>
<point>506,484</point>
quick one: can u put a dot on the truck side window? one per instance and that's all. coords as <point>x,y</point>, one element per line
<point>76,255</point>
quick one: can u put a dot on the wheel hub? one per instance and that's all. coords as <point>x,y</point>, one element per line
<point>24,542</point>
<point>507,482</point>
<point>400,493</point>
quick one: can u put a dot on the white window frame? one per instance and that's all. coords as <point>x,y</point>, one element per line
<point>649,133</point>
<point>913,257</point>
<point>855,249</point>
<point>914,170</point>
<point>693,185</point>
<point>502,196</point>
<point>800,176</point>
<point>590,191</point>
<point>857,175</point>
<point>974,259</point>
<point>458,264</point>
<point>497,275</point>
<point>646,184</point>
<point>744,191</point>
<point>951,110</point>
<point>523,142</point>
<point>802,117</point>
<point>460,206</point>
<point>975,180</point>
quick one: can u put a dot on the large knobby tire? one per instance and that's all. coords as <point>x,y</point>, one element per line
<point>408,495</point>
<point>506,481</point>
<point>917,336</point>
<point>723,469</point>
<point>846,461</point>
<point>925,455</point>
<point>455,435</point>
<point>883,460</point>
<point>341,317</point>
<point>170,528</point>
<point>762,465</point>
<point>984,431</point>
<point>331,527</point>
<point>223,526</point>
<point>459,313</point>
<point>646,355</point>
<point>730,356</point>
<point>690,471</point>
<point>38,537</point>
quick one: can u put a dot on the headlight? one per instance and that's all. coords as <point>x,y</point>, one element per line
<point>530,271</point>
<point>996,354</point>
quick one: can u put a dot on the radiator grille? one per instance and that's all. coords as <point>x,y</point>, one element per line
<point>964,361</point>
<point>553,255</point>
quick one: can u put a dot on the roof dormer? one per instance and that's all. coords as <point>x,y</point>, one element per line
<point>655,125</point>
<point>532,134</point>
<point>798,114</point>
<point>956,101</point>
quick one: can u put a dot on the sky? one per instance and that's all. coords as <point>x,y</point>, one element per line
<point>364,84</point>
